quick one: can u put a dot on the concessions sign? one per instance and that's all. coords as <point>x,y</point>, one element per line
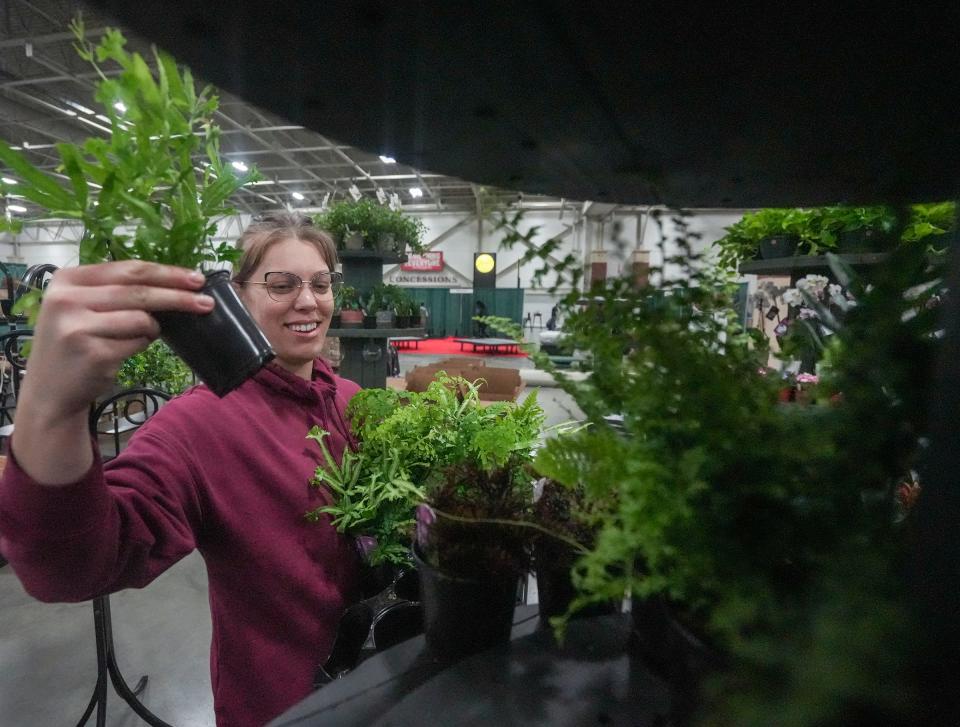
<point>426,262</point>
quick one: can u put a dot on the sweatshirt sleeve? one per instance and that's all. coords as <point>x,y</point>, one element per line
<point>119,526</point>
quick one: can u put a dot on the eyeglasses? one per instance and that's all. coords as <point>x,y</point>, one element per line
<point>283,287</point>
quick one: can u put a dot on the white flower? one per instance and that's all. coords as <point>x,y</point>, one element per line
<point>806,314</point>
<point>793,297</point>
<point>835,291</point>
<point>814,284</point>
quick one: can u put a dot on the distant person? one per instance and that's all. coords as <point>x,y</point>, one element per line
<point>480,309</point>
<point>553,320</point>
<point>425,318</point>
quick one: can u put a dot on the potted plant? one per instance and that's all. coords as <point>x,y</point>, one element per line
<point>139,196</point>
<point>377,308</point>
<point>351,312</point>
<point>464,468</point>
<point>365,224</point>
<point>763,544</point>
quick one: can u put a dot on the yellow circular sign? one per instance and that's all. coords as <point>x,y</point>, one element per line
<point>484,263</point>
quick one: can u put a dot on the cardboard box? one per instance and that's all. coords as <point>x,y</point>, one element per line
<point>499,384</point>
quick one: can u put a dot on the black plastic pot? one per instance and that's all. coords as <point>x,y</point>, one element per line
<point>335,321</point>
<point>555,590</point>
<point>864,239</point>
<point>674,652</point>
<point>369,321</point>
<point>224,347</point>
<point>779,246</point>
<point>463,616</point>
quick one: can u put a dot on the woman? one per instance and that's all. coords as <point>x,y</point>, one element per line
<point>228,476</point>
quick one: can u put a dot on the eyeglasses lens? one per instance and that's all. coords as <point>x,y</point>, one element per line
<point>286,286</point>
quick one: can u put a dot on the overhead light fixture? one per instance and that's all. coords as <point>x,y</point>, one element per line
<point>68,112</point>
<point>416,192</point>
<point>239,166</point>
<point>7,180</point>
<point>79,107</point>
<point>102,118</point>
<point>297,196</point>
<point>16,208</point>
<point>387,160</point>
<point>354,191</point>
<point>381,195</point>
<point>121,107</point>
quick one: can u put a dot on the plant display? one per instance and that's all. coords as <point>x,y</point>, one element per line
<point>414,447</point>
<point>156,367</point>
<point>381,227</point>
<point>141,193</point>
<point>822,229</point>
<point>776,533</point>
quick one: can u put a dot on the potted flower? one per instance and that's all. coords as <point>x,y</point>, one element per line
<point>156,367</point>
<point>138,196</point>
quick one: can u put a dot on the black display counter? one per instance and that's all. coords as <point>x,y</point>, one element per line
<point>591,680</point>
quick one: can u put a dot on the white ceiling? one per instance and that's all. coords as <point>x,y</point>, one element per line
<point>40,72</point>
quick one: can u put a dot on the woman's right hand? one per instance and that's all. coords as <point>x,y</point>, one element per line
<point>92,318</point>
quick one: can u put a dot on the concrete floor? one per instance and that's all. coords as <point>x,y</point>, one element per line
<point>48,655</point>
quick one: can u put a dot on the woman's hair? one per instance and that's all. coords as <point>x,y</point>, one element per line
<point>270,228</point>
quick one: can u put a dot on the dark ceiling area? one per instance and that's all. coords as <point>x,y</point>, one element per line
<point>619,102</point>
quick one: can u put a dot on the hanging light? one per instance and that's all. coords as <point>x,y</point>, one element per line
<point>239,166</point>
<point>16,208</point>
<point>416,192</point>
<point>387,160</point>
<point>297,196</point>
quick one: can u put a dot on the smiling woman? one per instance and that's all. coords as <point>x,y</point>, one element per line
<point>280,252</point>
<point>225,476</point>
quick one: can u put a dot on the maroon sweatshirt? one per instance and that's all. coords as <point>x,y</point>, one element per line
<point>230,478</point>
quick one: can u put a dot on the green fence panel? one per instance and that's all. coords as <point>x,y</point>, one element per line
<point>451,314</point>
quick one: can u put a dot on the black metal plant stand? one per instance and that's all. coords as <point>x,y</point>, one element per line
<point>107,669</point>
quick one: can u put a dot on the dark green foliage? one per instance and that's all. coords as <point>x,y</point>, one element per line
<point>156,367</point>
<point>774,530</point>
<point>406,439</point>
<point>381,227</point>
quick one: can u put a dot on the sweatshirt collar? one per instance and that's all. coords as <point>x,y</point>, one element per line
<point>322,385</point>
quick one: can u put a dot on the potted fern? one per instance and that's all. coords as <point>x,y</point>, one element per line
<point>139,196</point>
<point>456,473</point>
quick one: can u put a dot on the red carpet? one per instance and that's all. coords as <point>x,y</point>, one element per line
<point>447,347</point>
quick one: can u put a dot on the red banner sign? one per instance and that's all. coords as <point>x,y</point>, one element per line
<point>430,261</point>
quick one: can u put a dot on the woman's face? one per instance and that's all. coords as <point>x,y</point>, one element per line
<point>296,327</point>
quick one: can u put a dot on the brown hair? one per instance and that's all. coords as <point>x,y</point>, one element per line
<point>268,229</point>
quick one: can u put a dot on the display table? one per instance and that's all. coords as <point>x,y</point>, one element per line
<point>532,681</point>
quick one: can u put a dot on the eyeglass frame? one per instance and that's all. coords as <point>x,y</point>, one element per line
<point>336,279</point>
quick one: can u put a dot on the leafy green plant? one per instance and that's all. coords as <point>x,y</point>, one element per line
<point>144,176</point>
<point>407,439</point>
<point>376,223</point>
<point>156,367</point>
<point>347,298</point>
<point>774,531</point>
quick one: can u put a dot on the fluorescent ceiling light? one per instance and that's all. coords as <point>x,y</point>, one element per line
<point>121,107</point>
<point>239,166</point>
<point>16,208</point>
<point>416,192</point>
<point>103,118</point>
<point>7,180</point>
<point>387,160</point>
<point>68,112</point>
<point>79,107</point>
<point>298,196</point>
